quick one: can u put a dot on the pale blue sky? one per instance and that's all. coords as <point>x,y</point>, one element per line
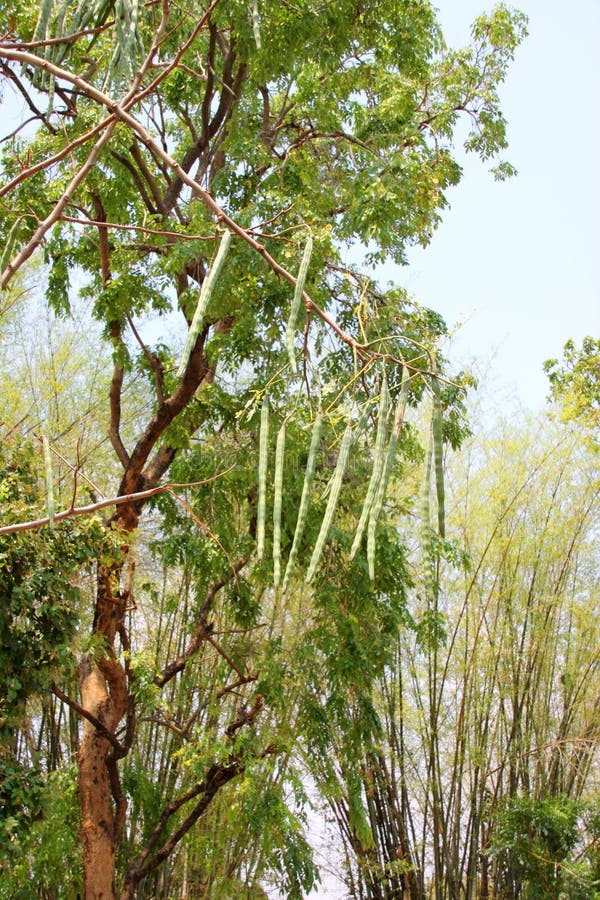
<point>523,256</point>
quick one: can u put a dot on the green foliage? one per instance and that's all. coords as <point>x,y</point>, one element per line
<point>575,382</point>
<point>46,853</point>
<point>39,608</point>
<point>40,605</point>
<point>539,843</point>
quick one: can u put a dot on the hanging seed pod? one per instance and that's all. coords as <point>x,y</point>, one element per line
<point>5,256</point>
<point>335,486</point>
<point>278,491</point>
<point>263,452</point>
<point>49,480</point>
<point>438,454</point>
<point>377,504</point>
<point>378,465</point>
<point>42,25</point>
<point>205,293</point>
<point>304,501</point>
<point>427,547</point>
<point>256,24</point>
<point>298,291</point>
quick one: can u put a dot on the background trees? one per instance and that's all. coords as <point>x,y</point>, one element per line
<point>476,772</point>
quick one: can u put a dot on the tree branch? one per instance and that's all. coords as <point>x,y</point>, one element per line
<point>36,524</point>
<point>116,390</point>
<point>100,728</point>
<point>121,113</point>
<point>203,629</point>
<point>217,776</point>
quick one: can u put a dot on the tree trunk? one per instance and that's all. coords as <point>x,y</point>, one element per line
<point>104,698</point>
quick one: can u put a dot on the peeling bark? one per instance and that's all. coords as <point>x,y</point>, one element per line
<point>104,695</point>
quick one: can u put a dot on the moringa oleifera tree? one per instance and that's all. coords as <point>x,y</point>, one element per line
<point>181,161</point>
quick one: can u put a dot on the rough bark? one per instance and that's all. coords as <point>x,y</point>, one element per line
<point>104,696</point>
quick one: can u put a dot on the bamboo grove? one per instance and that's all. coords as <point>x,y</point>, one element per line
<point>235,566</point>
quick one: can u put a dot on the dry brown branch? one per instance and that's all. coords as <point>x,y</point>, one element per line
<point>100,728</point>
<point>202,631</point>
<point>91,508</point>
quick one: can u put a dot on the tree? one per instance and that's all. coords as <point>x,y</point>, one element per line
<point>575,384</point>
<point>181,164</point>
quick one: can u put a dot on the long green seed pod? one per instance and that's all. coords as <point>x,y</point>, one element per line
<point>304,501</point>
<point>49,480</point>
<point>334,487</point>
<point>426,542</point>
<point>8,246</point>
<point>377,471</point>
<point>298,291</point>
<point>438,454</point>
<point>205,292</point>
<point>263,452</point>
<point>377,504</point>
<point>256,23</point>
<point>278,491</point>
<point>41,28</point>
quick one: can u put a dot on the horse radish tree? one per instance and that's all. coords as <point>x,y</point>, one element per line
<point>174,162</point>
